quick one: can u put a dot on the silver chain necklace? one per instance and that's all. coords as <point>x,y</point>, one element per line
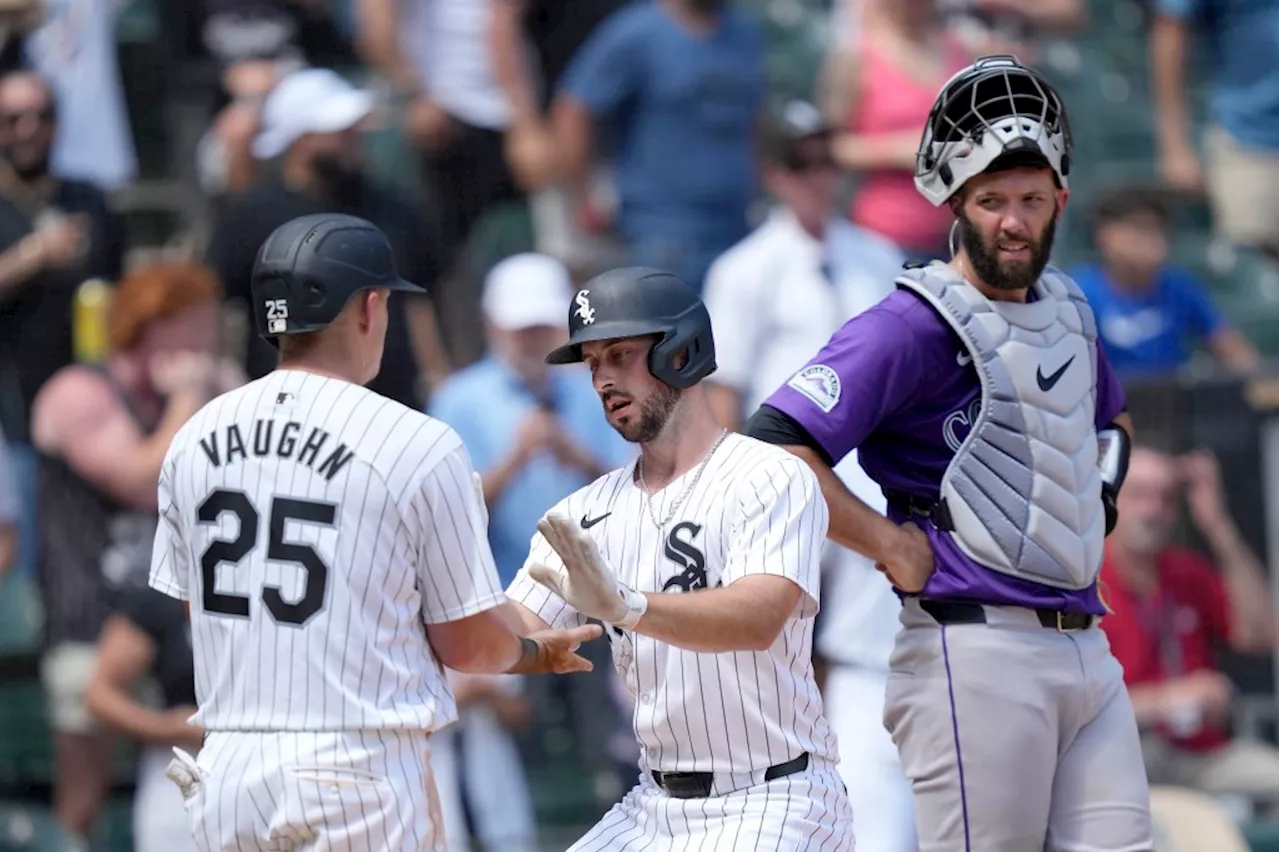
<point>679,501</point>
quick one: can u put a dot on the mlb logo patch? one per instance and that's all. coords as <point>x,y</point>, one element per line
<point>820,384</point>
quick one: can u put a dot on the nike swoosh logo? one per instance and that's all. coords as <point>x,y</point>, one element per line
<point>1046,383</point>
<point>964,359</point>
<point>588,524</point>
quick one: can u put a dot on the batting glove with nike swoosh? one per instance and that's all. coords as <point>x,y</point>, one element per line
<point>586,583</point>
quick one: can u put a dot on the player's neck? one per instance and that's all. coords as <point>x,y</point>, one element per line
<point>318,365</point>
<point>683,444</point>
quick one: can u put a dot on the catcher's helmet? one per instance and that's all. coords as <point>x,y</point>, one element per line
<point>634,301</point>
<point>310,267</point>
<point>997,112</point>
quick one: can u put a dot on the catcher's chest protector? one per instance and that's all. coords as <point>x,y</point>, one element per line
<point>1024,490</point>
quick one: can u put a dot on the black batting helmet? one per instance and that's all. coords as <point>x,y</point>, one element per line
<point>635,301</point>
<point>310,267</point>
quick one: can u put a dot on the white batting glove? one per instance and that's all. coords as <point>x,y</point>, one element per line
<point>484,508</point>
<point>586,583</point>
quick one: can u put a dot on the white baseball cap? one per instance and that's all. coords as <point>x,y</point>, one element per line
<point>527,290</point>
<point>309,100</point>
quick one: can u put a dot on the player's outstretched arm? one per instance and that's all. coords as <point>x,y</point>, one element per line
<point>484,643</point>
<point>746,615</point>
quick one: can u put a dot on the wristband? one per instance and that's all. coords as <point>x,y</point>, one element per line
<point>530,657</point>
<point>636,603</point>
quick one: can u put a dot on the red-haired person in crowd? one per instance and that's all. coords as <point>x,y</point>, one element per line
<point>101,432</point>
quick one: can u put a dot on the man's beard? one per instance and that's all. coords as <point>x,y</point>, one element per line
<point>655,414</point>
<point>1009,276</point>
<point>29,171</point>
<point>339,183</point>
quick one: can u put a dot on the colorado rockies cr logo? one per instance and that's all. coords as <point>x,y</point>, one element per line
<point>688,557</point>
<point>584,310</point>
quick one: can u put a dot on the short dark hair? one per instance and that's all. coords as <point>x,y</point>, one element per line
<point>1121,202</point>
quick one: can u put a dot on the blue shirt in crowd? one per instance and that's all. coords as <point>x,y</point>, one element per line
<point>1153,331</point>
<point>1242,38</point>
<point>485,404</point>
<point>678,110</point>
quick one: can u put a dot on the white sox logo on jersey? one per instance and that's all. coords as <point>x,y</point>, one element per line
<point>584,310</point>
<point>689,558</point>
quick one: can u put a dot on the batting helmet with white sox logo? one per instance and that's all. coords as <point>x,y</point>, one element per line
<point>635,301</point>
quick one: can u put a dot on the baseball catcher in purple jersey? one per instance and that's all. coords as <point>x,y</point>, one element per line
<point>978,398</point>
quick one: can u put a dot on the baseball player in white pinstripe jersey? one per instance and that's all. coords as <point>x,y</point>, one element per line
<point>702,560</point>
<point>331,545</point>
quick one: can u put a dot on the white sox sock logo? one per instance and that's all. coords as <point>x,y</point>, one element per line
<point>584,310</point>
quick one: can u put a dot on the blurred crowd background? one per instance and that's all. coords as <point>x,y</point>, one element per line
<point>762,149</point>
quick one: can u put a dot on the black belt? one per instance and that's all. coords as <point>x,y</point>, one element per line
<point>945,612</point>
<point>697,785</point>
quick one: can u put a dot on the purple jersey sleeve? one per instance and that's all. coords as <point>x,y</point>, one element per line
<point>868,370</point>
<point>1110,396</point>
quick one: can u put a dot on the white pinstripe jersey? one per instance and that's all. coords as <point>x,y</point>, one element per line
<point>756,509</point>
<point>315,526</point>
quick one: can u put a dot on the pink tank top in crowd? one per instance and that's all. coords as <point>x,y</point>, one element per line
<point>890,101</point>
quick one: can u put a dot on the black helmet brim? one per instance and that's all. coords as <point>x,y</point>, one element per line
<point>571,352</point>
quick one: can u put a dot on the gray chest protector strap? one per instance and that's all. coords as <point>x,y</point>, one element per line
<point>1023,493</point>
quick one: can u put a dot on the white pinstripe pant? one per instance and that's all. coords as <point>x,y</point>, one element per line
<point>350,791</point>
<point>805,811</point>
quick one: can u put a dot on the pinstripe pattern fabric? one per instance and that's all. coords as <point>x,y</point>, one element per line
<point>382,530</point>
<point>757,509</point>
<point>805,812</point>
<point>352,791</point>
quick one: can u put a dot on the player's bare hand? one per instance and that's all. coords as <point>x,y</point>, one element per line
<point>557,651</point>
<point>587,583</point>
<point>911,561</point>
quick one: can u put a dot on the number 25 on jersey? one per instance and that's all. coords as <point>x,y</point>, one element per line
<point>234,551</point>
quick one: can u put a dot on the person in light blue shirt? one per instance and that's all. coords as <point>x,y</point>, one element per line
<point>1239,39</point>
<point>536,435</point>
<point>674,87</point>
<point>1151,315</point>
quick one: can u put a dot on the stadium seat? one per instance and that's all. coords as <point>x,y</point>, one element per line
<point>26,748</point>
<point>1189,821</point>
<point>31,828</point>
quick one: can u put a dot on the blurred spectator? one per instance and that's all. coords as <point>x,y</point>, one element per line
<point>673,87</point>
<point>236,31</point>
<point>224,154</point>
<point>532,44</point>
<point>102,432</point>
<point>8,511</point>
<point>75,49</point>
<point>1011,26</point>
<point>1242,141</point>
<point>436,55</point>
<point>54,234</point>
<point>889,59</point>
<point>1151,314</point>
<point>1171,608</point>
<point>310,129</point>
<point>484,798</point>
<point>149,634</point>
<point>18,19</point>
<point>795,279</point>
<point>536,435</point>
